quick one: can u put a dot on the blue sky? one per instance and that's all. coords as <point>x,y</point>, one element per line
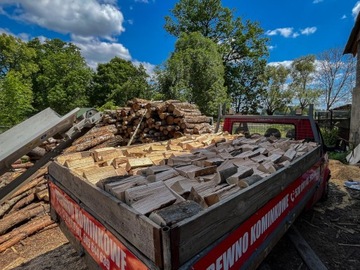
<point>133,29</point>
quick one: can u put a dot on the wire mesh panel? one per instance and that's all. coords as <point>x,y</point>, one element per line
<point>264,129</point>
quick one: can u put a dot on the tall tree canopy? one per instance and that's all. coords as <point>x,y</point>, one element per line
<point>335,76</point>
<point>302,73</point>
<point>276,95</point>
<point>242,47</point>
<point>63,77</point>
<point>195,73</point>
<point>119,81</point>
<point>16,68</point>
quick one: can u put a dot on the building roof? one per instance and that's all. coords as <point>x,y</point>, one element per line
<point>351,45</point>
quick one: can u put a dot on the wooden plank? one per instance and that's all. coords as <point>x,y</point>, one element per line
<point>308,255</point>
<point>145,233</point>
<point>147,198</point>
<point>198,232</point>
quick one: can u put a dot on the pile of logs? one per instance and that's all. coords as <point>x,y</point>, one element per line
<point>152,121</point>
<point>26,211</point>
<point>173,180</point>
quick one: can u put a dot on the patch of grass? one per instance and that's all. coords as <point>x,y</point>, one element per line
<point>341,156</point>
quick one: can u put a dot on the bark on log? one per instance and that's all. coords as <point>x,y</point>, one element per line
<point>8,240</point>
<point>27,213</point>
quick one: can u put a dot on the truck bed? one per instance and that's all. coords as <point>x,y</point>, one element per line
<point>226,225</point>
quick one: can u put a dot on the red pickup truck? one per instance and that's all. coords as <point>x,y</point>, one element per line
<point>236,233</point>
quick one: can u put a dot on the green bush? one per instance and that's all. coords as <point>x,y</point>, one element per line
<point>330,135</point>
<point>341,156</point>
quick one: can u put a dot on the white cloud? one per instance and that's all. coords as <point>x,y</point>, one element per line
<point>149,67</point>
<point>343,17</point>
<point>317,1</point>
<point>271,47</point>
<point>285,32</point>
<point>142,1</point>
<point>286,63</point>
<point>288,32</point>
<point>356,9</point>
<point>80,17</point>
<point>93,25</point>
<point>308,30</point>
<point>96,51</point>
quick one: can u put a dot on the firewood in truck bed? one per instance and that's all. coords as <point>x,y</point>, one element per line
<point>149,197</point>
<point>175,213</point>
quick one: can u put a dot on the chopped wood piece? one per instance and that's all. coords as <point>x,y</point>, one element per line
<point>138,162</point>
<point>162,176</point>
<point>224,171</point>
<point>183,186</point>
<point>156,169</point>
<point>108,153</point>
<point>248,181</point>
<point>150,197</point>
<point>172,147</point>
<point>117,185</point>
<point>117,162</point>
<point>220,194</point>
<point>289,155</point>
<point>242,172</point>
<point>158,148</point>
<point>213,161</point>
<point>97,174</point>
<point>77,163</point>
<point>175,213</point>
<point>192,171</point>
<point>179,161</point>
<point>267,167</point>
<point>198,193</point>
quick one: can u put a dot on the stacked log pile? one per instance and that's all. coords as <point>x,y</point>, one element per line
<point>144,121</point>
<point>26,211</point>
<point>173,180</point>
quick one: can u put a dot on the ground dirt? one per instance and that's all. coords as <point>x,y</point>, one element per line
<point>332,229</point>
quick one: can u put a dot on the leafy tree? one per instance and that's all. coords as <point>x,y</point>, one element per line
<point>276,96</point>
<point>16,68</point>
<point>195,73</point>
<point>302,73</point>
<point>63,78</point>
<point>335,76</point>
<point>241,45</point>
<point>119,81</point>
<point>16,56</point>
<point>15,99</point>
